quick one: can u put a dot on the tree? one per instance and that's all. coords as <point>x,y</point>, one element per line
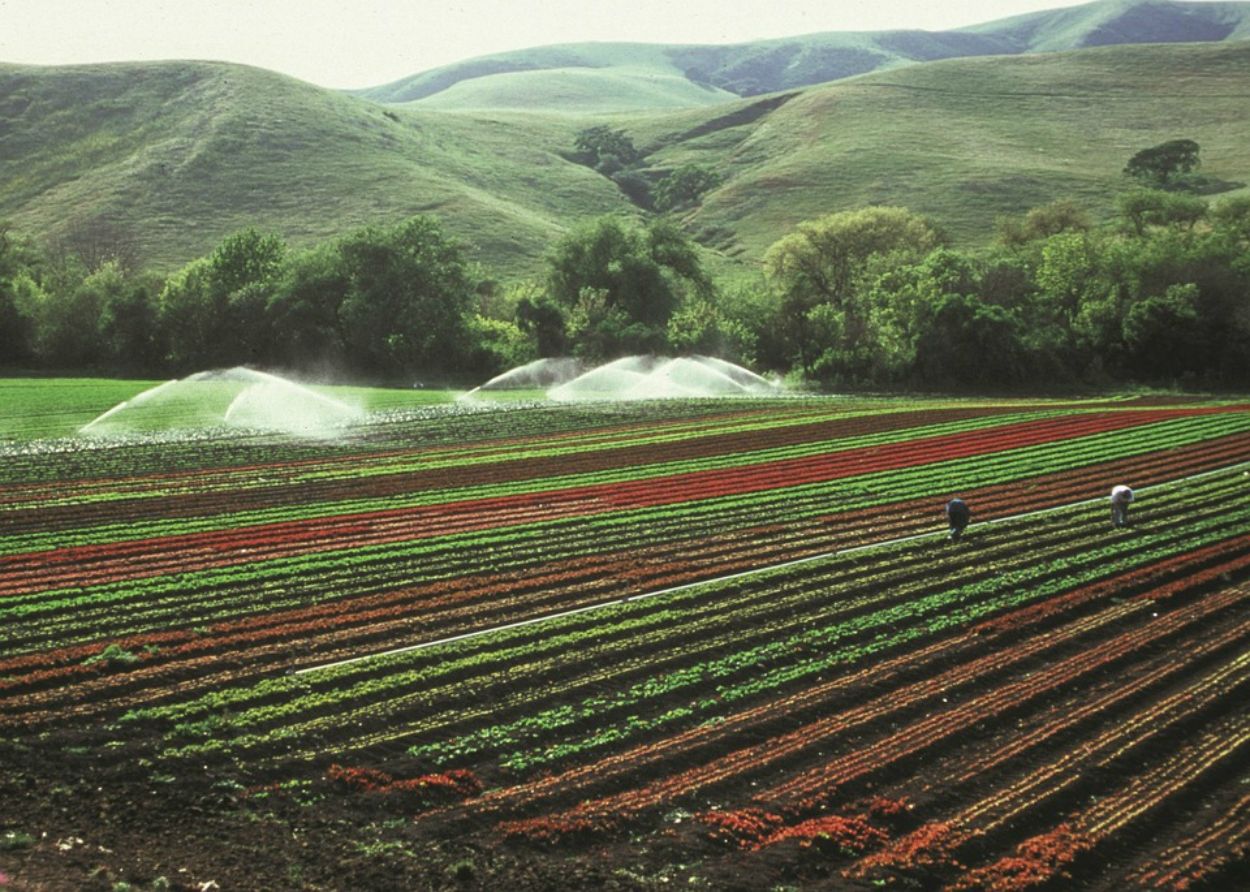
<point>605,149</point>
<point>98,241</point>
<point>127,323</point>
<point>303,311</point>
<point>620,284</point>
<point>821,264</point>
<point>635,186</point>
<point>188,317</point>
<point>1163,335</point>
<point>16,327</point>
<point>969,342</point>
<point>699,326</point>
<point>901,299</point>
<point>408,298</point>
<point>1158,165</point>
<point>68,321</point>
<point>1142,208</point>
<point>542,320</point>
<point>214,310</point>
<point>1064,215</point>
<point>1232,217</point>
<point>20,298</point>
<point>497,345</point>
<point>685,186</point>
<point>245,258</point>
<point>1069,274</point>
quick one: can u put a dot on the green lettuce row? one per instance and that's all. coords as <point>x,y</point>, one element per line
<point>107,532</point>
<point>1095,563</point>
<point>570,537</point>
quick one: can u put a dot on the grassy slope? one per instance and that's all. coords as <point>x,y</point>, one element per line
<point>578,90</point>
<point>965,140</point>
<point>185,153</point>
<point>1113,22</point>
<point>765,66</point>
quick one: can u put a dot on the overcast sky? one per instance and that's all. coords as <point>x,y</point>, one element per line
<point>341,43</point>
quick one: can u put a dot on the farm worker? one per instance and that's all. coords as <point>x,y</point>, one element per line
<point>957,514</point>
<point>1121,497</point>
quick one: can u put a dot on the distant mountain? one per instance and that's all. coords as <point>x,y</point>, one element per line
<point>619,76</point>
<point>178,155</point>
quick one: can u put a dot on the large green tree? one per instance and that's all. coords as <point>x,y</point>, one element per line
<point>685,186</point>
<point>818,271</point>
<point>1159,165</point>
<point>968,342</point>
<point>408,297</point>
<point>620,284</point>
<point>304,311</point>
<point>16,328</point>
<point>213,310</point>
<point>605,149</point>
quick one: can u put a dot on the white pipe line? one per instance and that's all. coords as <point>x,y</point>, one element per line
<point>547,617</point>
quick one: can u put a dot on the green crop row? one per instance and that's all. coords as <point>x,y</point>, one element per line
<point>105,532</point>
<point>1002,590</point>
<point>925,614</point>
<point>196,598</point>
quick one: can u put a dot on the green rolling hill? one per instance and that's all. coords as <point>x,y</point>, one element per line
<point>611,77</point>
<point>182,154</point>
<point>964,140</point>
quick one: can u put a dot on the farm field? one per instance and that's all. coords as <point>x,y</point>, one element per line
<point>712,644</point>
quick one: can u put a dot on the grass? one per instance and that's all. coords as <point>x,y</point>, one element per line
<point>182,154</point>
<point>578,90</point>
<point>966,141</point>
<point>42,408</point>
<point>765,66</point>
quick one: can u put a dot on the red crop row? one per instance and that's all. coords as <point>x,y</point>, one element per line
<point>426,791</point>
<point>144,558</point>
<point>1043,858</point>
<point>344,622</point>
<point>1008,801</point>
<point>1198,857</point>
<point>808,790</point>
<point>474,473</point>
<point>716,482</point>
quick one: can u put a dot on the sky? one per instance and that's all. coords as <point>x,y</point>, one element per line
<point>345,44</point>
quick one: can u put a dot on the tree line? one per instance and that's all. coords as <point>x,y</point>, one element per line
<point>874,297</point>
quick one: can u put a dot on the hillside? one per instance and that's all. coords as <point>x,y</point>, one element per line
<point>181,154</point>
<point>619,77</point>
<point>964,141</point>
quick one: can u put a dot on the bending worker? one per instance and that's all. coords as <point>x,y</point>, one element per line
<point>1121,498</point>
<point>958,515</point>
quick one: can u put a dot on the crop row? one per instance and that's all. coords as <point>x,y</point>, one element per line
<point>402,522</point>
<point>812,788</point>
<point>750,723</point>
<point>603,466</point>
<point>942,838</point>
<point>188,452</point>
<point>794,503</point>
<point>189,643</point>
<point>672,487</point>
<point>1043,857</point>
<point>410,468</point>
<point>304,538</point>
<point>925,613</point>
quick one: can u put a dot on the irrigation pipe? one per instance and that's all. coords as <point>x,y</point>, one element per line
<point>547,617</point>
